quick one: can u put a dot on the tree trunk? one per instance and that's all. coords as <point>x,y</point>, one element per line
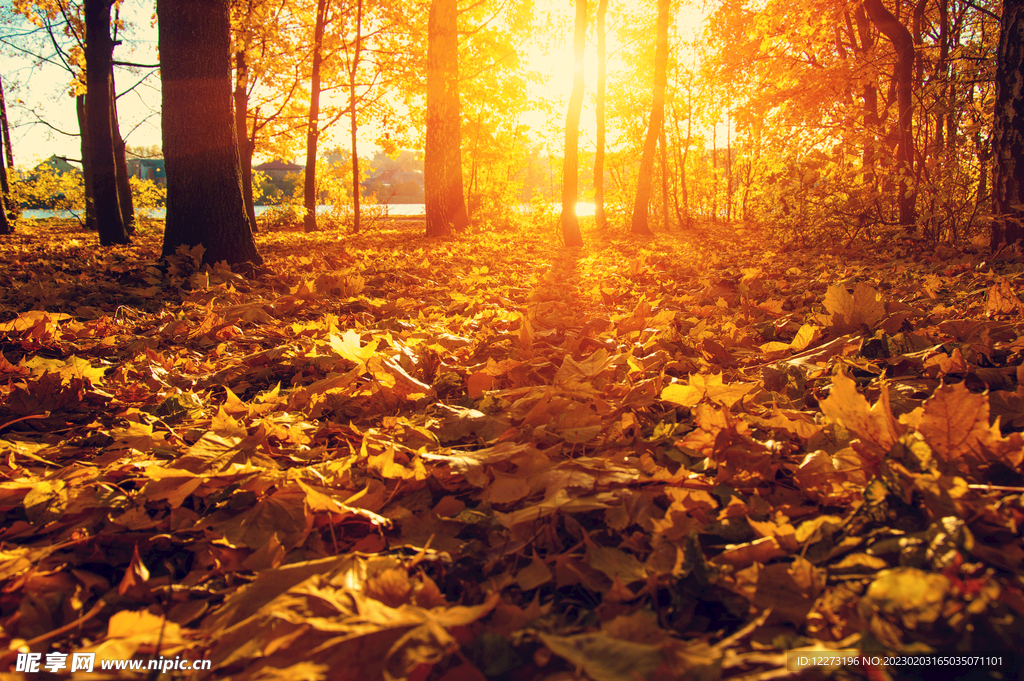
<point>602,67</point>
<point>663,149</point>
<point>124,187</point>
<point>204,182</point>
<point>870,94</point>
<point>90,193</point>
<point>310,194</point>
<point>245,147</point>
<point>570,162</point>
<point>728,167</point>
<point>5,224</point>
<point>444,200</point>
<point>1008,131</point>
<point>714,173</point>
<point>6,227</point>
<point>8,156</point>
<point>353,72</point>
<point>99,51</point>
<point>5,129</point>
<point>903,43</point>
<point>643,189</point>
<point>942,71</point>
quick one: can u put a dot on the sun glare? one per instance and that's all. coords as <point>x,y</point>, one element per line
<point>554,60</point>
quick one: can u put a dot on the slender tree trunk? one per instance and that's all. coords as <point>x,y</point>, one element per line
<point>352,100</point>
<point>728,167</point>
<point>870,95</point>
<point>942,71</point>
<point>204,179</point>
<point>683,155</point>
<point>643,190</point>
<point>5,223</point>
<point>444,200</point>
<point>241,97</point>
<point>99,50</point>
<point>90,192</point>
<point>903,43</point>
<point>570,161</point>
<point>714,173</point>
<point>310,194</point>
<point>8,156</point>
<point>1008,133</point>
<point>662,147</point>
<point>5,129</point>
<point>124,186</point>
<point>602,66</point>
<point>6,226</point>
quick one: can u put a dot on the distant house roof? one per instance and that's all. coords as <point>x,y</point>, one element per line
<point>60,164</point>
<point>278,164</point>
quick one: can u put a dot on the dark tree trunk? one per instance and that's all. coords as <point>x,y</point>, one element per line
<point>442,171</point>
<point>728,167</point>
<point>643,189</point>
<point>570,163</point>
<point>99,50</point>
<point>245,147</point>
<point>204,183</point>
<point>310,194</point>
<point>903,43</point>
<point>5,129</point>
<point>663,151</point>
<point>90,193</point>
<point>124,187</point>
<point>870,94</point>
<point>602,67</point>
<point>6,226</point>
<point>942,71</point>
<point>714,173</point>
<point>1008,131</point>
<point>353,72</point>
<point>5,141</point>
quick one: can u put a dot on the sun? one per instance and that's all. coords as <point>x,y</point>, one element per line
<point>553,59</point>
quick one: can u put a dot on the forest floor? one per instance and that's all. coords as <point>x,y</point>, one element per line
<point>495,458</point>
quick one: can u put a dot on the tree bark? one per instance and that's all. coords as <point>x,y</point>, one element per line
<point>245,147</point>
<point>204,183</point>
<point>90,194</point>
<point>124,186</point>
<point>870,95</point>
<point>570,163</point>
<point>6,226</point>
<point>663,151</point>
<point>1008,132</point>
<point>903,43</point>
<point>5,129</point>
<point>353,72</point>
<point>643,189</point>
<point>444,200</point>
<point>602,67</point>
<point>310,194</point>
<point>99,51</point>
<point>8,156</point>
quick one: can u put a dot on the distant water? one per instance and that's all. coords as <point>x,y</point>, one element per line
<point>583,209</point>
<point>400,209</point>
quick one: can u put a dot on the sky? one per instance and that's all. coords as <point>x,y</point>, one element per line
<point>42,113</point>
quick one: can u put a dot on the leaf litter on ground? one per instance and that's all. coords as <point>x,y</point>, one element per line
<point>490,458</point>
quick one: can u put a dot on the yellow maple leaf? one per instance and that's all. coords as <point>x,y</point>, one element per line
<point>874,425</point>
<point>349,345</point>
